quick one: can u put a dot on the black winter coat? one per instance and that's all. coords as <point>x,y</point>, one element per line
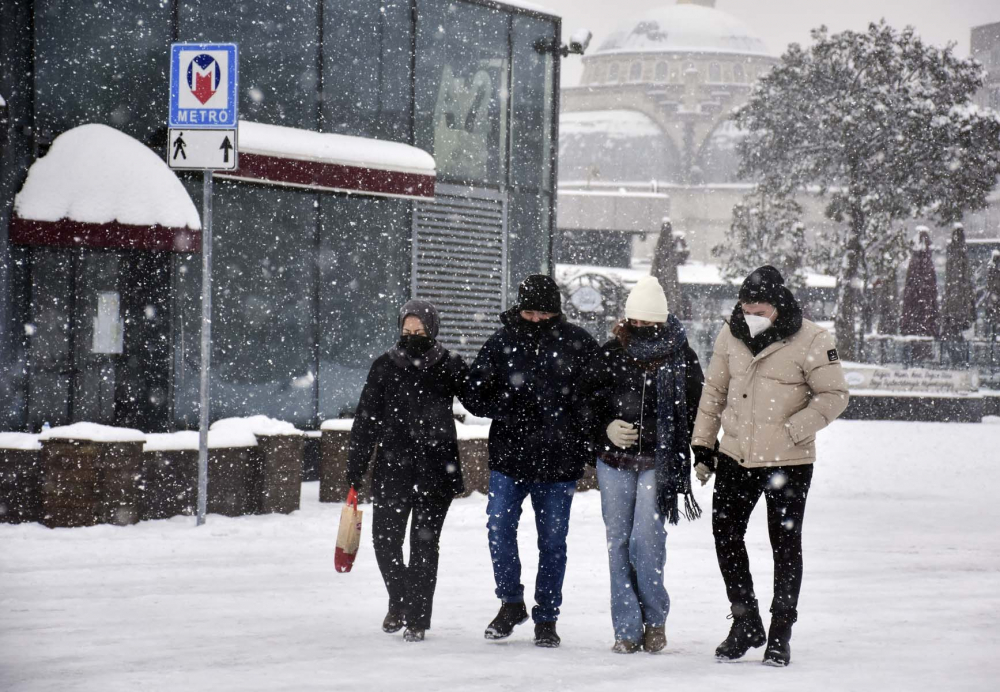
<point>619,387</point>
<point>527,383</point>
<point>406,415</point>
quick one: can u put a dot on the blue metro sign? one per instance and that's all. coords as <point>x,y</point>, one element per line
<point>204,85</point>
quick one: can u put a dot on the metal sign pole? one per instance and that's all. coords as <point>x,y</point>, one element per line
<point>206,342</point>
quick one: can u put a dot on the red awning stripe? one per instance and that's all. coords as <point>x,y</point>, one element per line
<point>114,235</point>
<point>331,176</point>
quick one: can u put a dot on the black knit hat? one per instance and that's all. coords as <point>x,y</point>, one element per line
<point>539,292</point>
<point>764,285</point>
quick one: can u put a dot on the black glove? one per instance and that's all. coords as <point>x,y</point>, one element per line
<point>704,463</point>
<point>705,456</point>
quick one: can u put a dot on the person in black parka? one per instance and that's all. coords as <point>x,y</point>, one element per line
<point>405,419</point>
<point>525,379</point>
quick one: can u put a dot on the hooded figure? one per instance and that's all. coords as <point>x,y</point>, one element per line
<point>775,380</point>
<point>643,386</point>
<point>404,419</point>
<point>526,379</point>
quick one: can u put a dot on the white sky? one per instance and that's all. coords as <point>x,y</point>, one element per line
<point>779,22</point>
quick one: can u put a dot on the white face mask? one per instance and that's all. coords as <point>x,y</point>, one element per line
<point>758,323</point>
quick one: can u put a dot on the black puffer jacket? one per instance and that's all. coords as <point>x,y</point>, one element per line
<point>526,381</point>
<point>621,387</point>
<point>406,414</point>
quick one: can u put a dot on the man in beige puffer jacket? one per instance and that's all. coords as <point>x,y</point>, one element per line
<point>774,381</point>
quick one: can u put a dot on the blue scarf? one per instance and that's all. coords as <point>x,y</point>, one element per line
<point>666,353</point>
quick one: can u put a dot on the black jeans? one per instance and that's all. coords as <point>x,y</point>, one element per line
<point>737,491</point>
<point>410,587</point>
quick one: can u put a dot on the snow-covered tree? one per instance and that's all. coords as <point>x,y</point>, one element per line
<point>991,298</point>
<point>920,298</point>
<point>881,124</point>
<point>959,304</point>
<point>765,229</point>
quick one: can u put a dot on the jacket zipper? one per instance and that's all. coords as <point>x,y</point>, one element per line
<point>642,410</point>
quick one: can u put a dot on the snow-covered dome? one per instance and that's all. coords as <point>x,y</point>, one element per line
<point>684,28</point>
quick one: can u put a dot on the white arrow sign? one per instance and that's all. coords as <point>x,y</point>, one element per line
<point>202,149</point>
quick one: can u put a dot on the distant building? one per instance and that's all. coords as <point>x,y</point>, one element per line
<point>651,115</point>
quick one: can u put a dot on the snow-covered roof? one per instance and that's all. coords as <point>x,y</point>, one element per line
<point>2,102</point>
<point>612,124</point>
<point>525,5</point>
<point>96,174</point>
<point>685,28</point>
<point>93,432</point>
<point>322,147</point>
<point>293,157</point>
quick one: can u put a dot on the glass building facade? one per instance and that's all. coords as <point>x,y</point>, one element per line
<point>306,284</point>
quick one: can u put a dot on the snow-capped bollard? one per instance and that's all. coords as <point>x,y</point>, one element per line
<point>91,474</point>
<point>20,478</point>
<point>334,447</point>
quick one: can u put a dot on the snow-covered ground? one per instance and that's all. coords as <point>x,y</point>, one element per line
<point>901,592</point>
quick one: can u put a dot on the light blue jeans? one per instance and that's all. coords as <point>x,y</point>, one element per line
<point>637,550</point>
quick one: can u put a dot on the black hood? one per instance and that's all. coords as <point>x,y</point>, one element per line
<point>789,322</point>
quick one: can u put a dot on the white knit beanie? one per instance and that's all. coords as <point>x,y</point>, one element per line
<point>647,301</point>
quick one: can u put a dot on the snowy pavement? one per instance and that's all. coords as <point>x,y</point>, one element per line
<point>901,592</point>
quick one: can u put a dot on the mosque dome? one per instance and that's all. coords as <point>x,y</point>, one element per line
<point>690,26</point>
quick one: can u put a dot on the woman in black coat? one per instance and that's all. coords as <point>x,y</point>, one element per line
<point>405,420</point>
<point>643,389</point>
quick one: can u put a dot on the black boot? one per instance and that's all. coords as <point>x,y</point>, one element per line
<point>747,631</point>
<point>545,635</point>
<point>510,615</point>
<point>779,651</point>
<point>393,622</point>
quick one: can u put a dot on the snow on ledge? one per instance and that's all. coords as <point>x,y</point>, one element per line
<point>187,440</point>
<point>307,145</point>
<point>93,432</point>
<point>337,424</point>
<point>96,174</point>
<point>256,425</point>
<point>16,440</point>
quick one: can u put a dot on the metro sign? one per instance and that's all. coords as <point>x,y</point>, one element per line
<point>203,85</point>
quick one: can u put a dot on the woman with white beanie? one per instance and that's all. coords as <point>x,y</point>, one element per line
<point>644,386</point>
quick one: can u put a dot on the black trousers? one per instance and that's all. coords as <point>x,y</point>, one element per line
<point>737,491</point>
<point>410,586</point>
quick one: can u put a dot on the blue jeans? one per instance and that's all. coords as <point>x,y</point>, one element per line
<point>637,550</point>
<point>551,502</point>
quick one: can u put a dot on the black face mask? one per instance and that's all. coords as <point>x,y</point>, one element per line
<point>537,327</point>
<point>644,333</point>
<point>416,345</point>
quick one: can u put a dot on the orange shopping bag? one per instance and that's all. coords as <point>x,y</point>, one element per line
<point>349,535</point>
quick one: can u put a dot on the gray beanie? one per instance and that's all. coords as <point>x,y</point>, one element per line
<point>423,311</point>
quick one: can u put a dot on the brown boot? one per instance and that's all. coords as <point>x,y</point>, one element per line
<point>654,639</point>
<point>626,646</point>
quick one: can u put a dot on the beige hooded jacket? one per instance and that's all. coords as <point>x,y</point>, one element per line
<point>770,407</point>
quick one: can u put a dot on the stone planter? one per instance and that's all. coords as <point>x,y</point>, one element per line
<point>279,460</point>
<point>91,481</point>
<point>169,483</point>
<point>334,447</point>
<point>20,478</point>
<point>475,459</point>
